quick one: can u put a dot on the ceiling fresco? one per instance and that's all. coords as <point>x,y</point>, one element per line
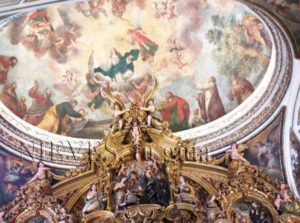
<point>289,13</point>
<point>58,64</point>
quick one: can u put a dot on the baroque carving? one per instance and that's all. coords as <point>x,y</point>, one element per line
<point>157,178</point>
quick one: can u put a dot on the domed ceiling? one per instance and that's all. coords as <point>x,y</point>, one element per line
<point>206,59</point>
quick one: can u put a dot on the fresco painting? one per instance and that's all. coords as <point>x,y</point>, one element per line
<point>289,13</point>
<point>265,149</point>
<point>248,210</point>
<point>15,172</point>
<point>59,63</point>
<point>295,150</point>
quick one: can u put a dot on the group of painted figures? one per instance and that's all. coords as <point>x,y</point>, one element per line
<point>63,117</point>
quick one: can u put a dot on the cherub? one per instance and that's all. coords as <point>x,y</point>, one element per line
<point>277,202</point>
<point>285,193</point>
<point>235,154</point>
<point>40,174</point>
<point>150,109</point>
<point>135,132</point>
<point>63,216</point>
<point>2,214</point>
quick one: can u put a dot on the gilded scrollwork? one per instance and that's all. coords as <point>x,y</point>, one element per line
<point>161,178</point>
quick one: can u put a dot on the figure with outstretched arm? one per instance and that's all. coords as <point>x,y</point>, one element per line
<point>40,174</point>
<point>235,154</point>
<point>149,109</point>
<point>118,115</point>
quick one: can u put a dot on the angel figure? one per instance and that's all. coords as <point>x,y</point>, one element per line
<point>2,214</point>
<point>235,154</point>
<point>150,109</point>
<point>92,200</point>
<point>40,174</point>
<point>278,203</point>
<point>63,216</point>
<point>118,116</point>
<point>135,132</point>
<point>284,193</point>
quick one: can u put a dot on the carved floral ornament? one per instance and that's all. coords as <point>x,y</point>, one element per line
<point>182,184</point>
<point>22,139</point>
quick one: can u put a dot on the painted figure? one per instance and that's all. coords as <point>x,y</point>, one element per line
<point>9,97</point>
<point>118,7</point>
<point>91,201</point>
<point>235,154</point>
<point>282,7</point>
<point>176,112</point>
<point>56,118</point>
<point>6,63</point>
<point>209,100</point>
<point>124,66</point>
<point>140,88</point>
<point>241,89</point>
<point>40,104</point>
<point>239,218</point>
<point>40,174</point>
<point>147,47</point>
<point>22,107</point>
<point>254,213</point>
<point>196,120</point>
<point>40,20</point>
<point>92,8</point>
<point>254,31</point>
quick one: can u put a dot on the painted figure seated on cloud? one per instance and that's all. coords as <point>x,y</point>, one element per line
<point>92,8</point>
<point>147,47</point>
<point>46,30</point>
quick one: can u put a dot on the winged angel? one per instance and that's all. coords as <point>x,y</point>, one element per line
<point>148,106</point>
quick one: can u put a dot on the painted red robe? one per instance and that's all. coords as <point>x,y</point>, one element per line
<point>41,103</point>
<point>176,113</point>
<point>147,47</point>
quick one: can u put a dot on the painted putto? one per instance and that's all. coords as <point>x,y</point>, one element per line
<point>58,64</point>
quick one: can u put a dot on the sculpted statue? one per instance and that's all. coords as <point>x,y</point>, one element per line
<point>40,174</point>
<point>235,154</point>
<point>120,191</point>
<point>213,212</point>
<point>2,214</point>
<point>93,200</point>
<point>118,117</point>
<point>185,192</point>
